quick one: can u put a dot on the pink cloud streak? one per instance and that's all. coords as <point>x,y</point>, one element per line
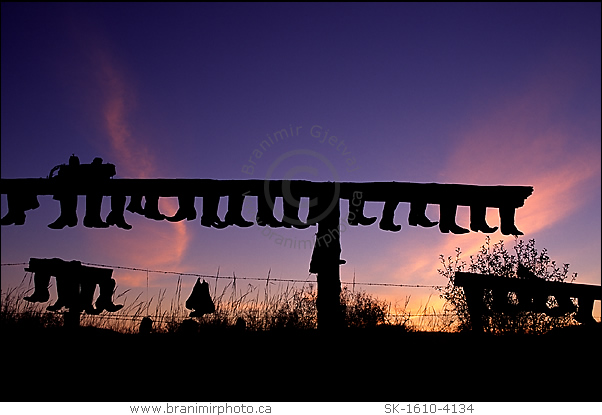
<point>149,244</point>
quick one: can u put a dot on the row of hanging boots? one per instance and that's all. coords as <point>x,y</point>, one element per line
<point>92,218</point>
<point>18,204</point>
<point>265,213</point>
<point>186,210</point>
<point>527,300</point>
<point>210,218</point>
<point>536,302</point>
<point>75,285</point>
<point>93,175</point>
<point>290,209</point>
<point>447,220</point>
<point>79,296</point>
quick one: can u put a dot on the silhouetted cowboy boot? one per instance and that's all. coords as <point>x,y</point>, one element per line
<point>316,211</point>
<point>234,214</point>
<point>290,209</point>
<point>564,306</point>
<point>417,216</point>
<point>17,205</point>
<point>584,311</point>
<point>477,219</point>
<point>93,206</point>
<point>151,208</point>
<point>67,288</point>
<point>265,214</point>
<point>210,217</point>
<point>356,212</point>
<point>41,279</point>
<point>13,217</point>
<point>68,215</point>
<point>30,202</point>
<point>105,299</point>
<point>447,220</point>
<point>500,300</point>
<point>135,205</point>
<point>529,299</point>
<point>507,221</point>
<point>386,222</point>
<point>116,217</point>
<point>525,302</point>
<point>86,296</point>
<point>186,209</point>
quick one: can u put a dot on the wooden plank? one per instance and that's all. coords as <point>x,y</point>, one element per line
<point>433,193</point>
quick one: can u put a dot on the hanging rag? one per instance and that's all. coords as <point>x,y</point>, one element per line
<point>200,300</point>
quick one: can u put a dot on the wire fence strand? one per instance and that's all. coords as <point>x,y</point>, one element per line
<point>268,279</point>
<point>168,318</point>
<point>141,316</point>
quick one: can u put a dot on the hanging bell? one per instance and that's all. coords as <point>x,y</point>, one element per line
<point>200,300</point>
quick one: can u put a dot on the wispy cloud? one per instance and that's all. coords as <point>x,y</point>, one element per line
<point>527,137</point>
<point>149,244</point>
<point>531,139</point>
<point>133,156</point>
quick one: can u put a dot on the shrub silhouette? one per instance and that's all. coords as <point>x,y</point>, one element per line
<point>497,260</point>
<point>362,310</point>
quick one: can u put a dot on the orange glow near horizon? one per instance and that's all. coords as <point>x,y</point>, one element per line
<point>540,157</point>
<point>521,140</point>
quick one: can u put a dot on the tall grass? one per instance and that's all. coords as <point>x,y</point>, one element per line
<point>16,312</point>
<point>271,307</point>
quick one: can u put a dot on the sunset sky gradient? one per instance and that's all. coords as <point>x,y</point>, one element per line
<point>487,94</point>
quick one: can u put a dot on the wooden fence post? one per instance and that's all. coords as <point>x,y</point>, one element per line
<point>327,259</point>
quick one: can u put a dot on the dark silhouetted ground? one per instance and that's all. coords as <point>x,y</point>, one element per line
<point>380,364</point>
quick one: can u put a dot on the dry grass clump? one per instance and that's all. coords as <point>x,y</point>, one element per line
<point>273,307</point>
<point>16,312</point>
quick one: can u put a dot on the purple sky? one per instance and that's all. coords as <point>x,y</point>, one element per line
<point>450,93</point>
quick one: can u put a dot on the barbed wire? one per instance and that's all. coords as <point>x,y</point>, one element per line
<point>233,277</point>
<point>166,317</point>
